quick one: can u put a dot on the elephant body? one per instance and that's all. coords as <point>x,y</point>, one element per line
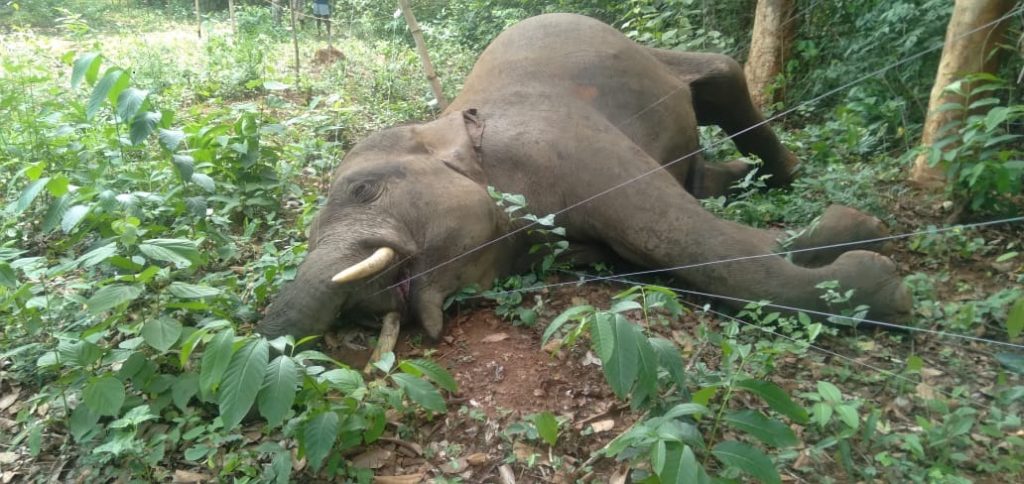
<point>593,127</point>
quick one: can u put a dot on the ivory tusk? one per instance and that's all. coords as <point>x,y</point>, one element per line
<point>386,342</point>
<point>367,267</point>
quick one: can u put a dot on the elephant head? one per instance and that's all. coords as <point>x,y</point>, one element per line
<point>404,208</point>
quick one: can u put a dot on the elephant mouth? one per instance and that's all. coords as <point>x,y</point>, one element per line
<point>379,284</point>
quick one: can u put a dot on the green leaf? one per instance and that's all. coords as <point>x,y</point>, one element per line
<point>58,186</point>
<point>242,381</point>
<point>681,466</point>
<point>848,414</point>
<point>104,395</point>
<point>203,181</point>
<point>547,427</point>
<point>1015,319</point>
<point>192,291</point>
<point>112,296</point>
<point>142,126</point>
<point>318,436</point>
<point>767,430</point>
<point>602,335</point>
<point>421,392</point>
<point>647,368</point>
<point>170,139</point>
<point>184,388</point>
<point>215,360</point>
<point>180,252</point>
<point>161,333</point>
<point>571,313</point>
<point>830,392</point>
<point>73,217</point>
<point>97,255</point>
<point>349,381</point>
<point>670,359</point>
<point>280,384</point>
<point>83,419</point>
<point>28,195</point>
<point>747,459</point>
<point>113,82</point>
<point>55,213</point>
<point>185,165</point>
<point>622,368</point>
<point>129,102</point>
<point>7,276</point>
<point>432,370</point>
<point>1012,361</point>
<point>86,67</point>
<point>776,398</point>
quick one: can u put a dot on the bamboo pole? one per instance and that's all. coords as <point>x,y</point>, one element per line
<point>295,42</point>
<point>421,49</point>
<point>199,21</point>
<point>231,13</point>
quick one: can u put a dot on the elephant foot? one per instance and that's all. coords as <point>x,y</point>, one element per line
<point>838,225</point>
<point>876,284</point>
<point>782,174</point>
<point>716,180</point>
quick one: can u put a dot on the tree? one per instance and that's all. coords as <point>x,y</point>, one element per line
<point>421,49</point>
<point>972,38</point>
<point>769,48</point>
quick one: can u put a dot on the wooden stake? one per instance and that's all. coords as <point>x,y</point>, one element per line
<point>199,21</point>
<point>421,49</point>
<point>295,43</point>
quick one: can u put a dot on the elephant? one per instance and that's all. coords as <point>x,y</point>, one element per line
<point>592,127</point>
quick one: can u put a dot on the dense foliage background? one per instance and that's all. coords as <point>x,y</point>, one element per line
<point>157,187</point>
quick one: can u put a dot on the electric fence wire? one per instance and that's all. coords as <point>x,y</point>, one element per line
<point>664,166</point>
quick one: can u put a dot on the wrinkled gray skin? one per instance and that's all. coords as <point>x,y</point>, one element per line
<point>558,108</point>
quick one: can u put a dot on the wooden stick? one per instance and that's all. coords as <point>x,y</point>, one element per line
<point>231,13</point>
<point>387,340</point>
<point>199,21</point>
<point>295,42</point>
<point>421,49</point>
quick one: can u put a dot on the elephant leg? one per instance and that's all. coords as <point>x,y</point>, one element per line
<point>838,225</point>
<point>720,97</point>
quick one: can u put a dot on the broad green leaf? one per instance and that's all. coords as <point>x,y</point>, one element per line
<point>86,67</point>
<point>547,427</point>
<point>185,387</point>
<point>97,255</point>
<point>58,186</point>
<point>318,435</point>
<point>657,456</point>
<point>104,395</point>
<point>7,276</point>
<point>776,398</point>
<point>275,86</point>
<point>129,102</point>
<point>83,420</point>
<point>830,392</point>
<point>73,217</point>
<point>170,139</point>
<point>142,126</point>
<point>242,381</point>
<point>347,380</point>
<point>161,333</point>
<point>112,296</point>
<point>571,313</point>
<point>184,164</point>
<point>1012,361</point>
<point>386,362</point>
<point>280,384</point>
<point>421,392</point>
<point>647,367</point>
<point>215,360</point>
<point>180,252</point>
<point>670,359</point>
<point>55,213</point>
<point>602,335</point>
<point>113,82</point>
<point>185,290</point>
<point>204,181</point>
<point>1015,319</point>
<point>848,414</point>
<point>29,194</point>
<point>747,459</point>
<point>681,466</point>
<point>432,370</point>
<point>622,368</point>
<point>767,430</point>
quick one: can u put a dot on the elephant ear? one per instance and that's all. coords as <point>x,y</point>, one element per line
<point>455,139</point>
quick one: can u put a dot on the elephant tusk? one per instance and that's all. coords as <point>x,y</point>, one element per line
<point>368,267</point>
<point>387,340</point>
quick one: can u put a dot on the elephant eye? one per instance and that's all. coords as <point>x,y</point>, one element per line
<point>365,191</point>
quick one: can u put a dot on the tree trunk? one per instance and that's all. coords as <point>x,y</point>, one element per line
<point>971,39</point>
<point>231,13</point>
<point>769,48</point>
<point>199,21</point>
<point>421,49</point>
<point>295,43</point>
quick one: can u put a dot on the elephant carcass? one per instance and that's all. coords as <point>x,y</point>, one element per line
<point>559,108</point>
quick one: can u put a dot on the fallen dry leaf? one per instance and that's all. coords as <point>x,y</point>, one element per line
<point>478,458</point>
<point>494,338</point>
<point>620,475</point>
<point>455,466</point>
<point>372,459</point>
<point>7,458</point>
<point>404,479</point>
<point>603,425</point>
<point>9,399</point>
<point>925,391</point>
<point>184,476</point>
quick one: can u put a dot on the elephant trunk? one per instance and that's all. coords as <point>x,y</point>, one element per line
<point>310,303</point>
